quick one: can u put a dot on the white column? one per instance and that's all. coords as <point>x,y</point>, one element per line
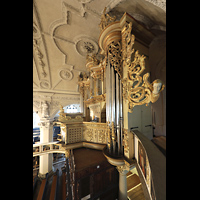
<point>46,163</point>
<point>46,135</point>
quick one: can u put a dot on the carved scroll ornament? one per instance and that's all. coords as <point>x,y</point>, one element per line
<point>106,19</point>
<point>136,88</point>
<point>115,57</point>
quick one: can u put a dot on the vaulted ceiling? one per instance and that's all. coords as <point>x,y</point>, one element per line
<point>65,30</point>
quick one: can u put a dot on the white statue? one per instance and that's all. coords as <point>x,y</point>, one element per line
<point>45,110</point>
<point>158,86</point>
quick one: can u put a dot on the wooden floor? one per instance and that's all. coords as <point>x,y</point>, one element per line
<point>134,187</point>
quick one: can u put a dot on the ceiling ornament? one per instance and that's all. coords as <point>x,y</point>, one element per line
<point>44,84</point>
<point>66,74</point>
<point>85,45</point>
<point>39,57</point>
<point>85,1</point>
<point>40,54</point>
<point>36,31</point>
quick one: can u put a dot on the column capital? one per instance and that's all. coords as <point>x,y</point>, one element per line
<point>45,122</point>
<point>123,169</point>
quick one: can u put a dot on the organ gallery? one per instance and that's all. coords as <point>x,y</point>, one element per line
<point>104,151</point>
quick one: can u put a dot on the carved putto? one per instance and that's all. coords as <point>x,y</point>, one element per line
<point>83,76</point>
<point>93,59</point>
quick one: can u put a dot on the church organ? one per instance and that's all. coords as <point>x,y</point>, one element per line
<point>116,80</point>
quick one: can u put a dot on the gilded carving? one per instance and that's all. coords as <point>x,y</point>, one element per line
<point>96,99</point>
<point>67,153</point>
<point>65,119</point>
<point>108,135</point>
<point>128,40</point>
<point>125,88</point>
<point>115,57</point>
<point>137,89</point>
<point>94,133</point>
<point>93,59</point>
<point>113,132</point>
<point>106,19</point>
<point>125,140</point>
<point>123,169</point>
<point>101,135</point>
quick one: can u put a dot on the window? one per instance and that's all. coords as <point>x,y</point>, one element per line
<point>72,108</point>
<point>36,120</point>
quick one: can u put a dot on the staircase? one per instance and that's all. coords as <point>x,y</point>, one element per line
<point>134,187</point>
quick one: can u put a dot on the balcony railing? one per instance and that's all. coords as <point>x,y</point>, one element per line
<point>152,165</point>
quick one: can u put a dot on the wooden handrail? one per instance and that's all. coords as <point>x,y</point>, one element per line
<point>157,162</point>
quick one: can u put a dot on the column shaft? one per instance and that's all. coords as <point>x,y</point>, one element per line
<point>122,185</point>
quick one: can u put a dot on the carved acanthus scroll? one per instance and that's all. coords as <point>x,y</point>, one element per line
<point>106,19</point>
<point>115,57</point>
<point>136,88</point>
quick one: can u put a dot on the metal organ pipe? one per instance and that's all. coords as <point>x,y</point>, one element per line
<point>121,115</point>
<point>113,109</point>
<point>108,103</point>
<point>118,113</point>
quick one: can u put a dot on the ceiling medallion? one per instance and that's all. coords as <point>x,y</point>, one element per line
<point>85,45</point>
<point>44,84</point>
<point>65,74</point>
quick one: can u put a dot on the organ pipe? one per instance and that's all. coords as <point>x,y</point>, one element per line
<point>118,113</point>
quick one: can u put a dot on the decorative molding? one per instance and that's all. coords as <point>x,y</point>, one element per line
<point>85,1</point>
<point>66,75</point>
<point>94,132</point>
<point>40,54</point>
<point>53,100</point>
<point>125,140</point>
<point>36,31</point>
<point>44,84</point>
<point>85,45</point>
<point>123,169</point>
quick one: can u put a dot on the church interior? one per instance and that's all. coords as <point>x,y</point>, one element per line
<point>99,99</point>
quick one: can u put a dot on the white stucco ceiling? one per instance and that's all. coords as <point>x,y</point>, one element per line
<point>64,30</point>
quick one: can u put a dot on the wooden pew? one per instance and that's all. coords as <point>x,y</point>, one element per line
<point>53,186</point>
<point>63,186</point>
<point>39,197</point>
